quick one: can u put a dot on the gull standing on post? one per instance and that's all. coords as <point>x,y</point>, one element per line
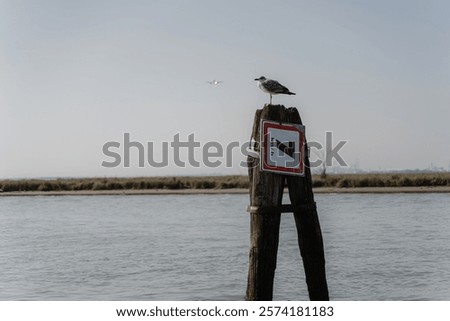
<point>272,87</point>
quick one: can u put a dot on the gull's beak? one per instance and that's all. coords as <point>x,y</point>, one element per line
<point>257,78</point>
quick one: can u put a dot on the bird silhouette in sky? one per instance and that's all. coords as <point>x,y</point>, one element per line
<point>214,82</point>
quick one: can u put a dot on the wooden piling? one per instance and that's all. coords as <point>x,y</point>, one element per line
<point>266,192</point>
<point>266,189</point>
<point>308,227</point>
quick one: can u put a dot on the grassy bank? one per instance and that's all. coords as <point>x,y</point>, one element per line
<point>217,182</point>
<point>98,184</point>
<point>383,180</point>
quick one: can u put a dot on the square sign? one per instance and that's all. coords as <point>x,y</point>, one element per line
<point>282,148</point>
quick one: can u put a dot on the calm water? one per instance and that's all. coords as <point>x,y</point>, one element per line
<point>195,247</point>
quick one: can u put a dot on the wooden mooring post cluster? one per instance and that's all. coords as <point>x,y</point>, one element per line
<point>266,192</point>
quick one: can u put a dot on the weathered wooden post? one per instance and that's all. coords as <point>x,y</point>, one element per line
<point>266,192</point>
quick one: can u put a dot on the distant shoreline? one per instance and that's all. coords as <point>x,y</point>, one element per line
<point>234,184</point>
<point>317,190</point>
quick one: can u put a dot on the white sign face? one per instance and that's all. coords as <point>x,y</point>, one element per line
<point>282,148</point>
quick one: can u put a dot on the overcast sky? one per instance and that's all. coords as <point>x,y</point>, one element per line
<point>77,74</point>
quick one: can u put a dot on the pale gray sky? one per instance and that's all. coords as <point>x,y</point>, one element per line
<point>76,74</point>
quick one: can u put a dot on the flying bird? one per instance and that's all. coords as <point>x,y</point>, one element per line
<point>214,82</point>
<point>272,87</point>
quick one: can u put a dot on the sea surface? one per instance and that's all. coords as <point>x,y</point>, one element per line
<point>195,247</point>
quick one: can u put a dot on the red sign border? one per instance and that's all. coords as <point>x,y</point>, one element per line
<point>265,125</point>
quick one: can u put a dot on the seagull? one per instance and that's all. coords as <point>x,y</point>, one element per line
<point>272,87</point>
<point>214,82</point>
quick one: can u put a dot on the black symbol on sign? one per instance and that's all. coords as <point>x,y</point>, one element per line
<point>287,148</point>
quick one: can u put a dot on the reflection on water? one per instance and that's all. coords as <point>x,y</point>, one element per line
<point>195,247</point>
